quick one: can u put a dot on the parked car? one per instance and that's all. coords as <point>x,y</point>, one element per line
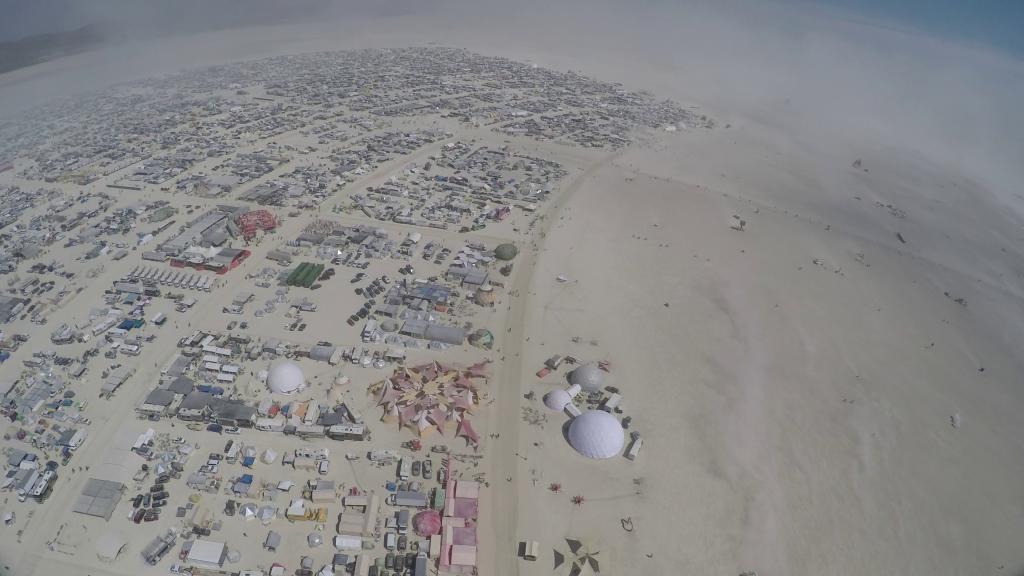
<point>428,466</point>
<point>231,429</point>
<point>215,428</point>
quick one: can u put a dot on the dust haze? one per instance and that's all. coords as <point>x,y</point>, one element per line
<point>815,71</point>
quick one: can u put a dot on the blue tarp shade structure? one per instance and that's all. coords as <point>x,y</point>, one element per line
<point>248,461</point>
<point>130,323</point>
<point>246,479</point>
<point>4,356</point>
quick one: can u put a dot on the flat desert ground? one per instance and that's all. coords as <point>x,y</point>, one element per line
<point>796,382</point>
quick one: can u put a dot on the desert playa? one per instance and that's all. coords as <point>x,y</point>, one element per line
<point>803,386</point>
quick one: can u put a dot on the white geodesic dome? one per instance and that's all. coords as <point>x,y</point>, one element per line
<point>588,376</point>
<point>285,377</point>
<point>596,434</point>
<point>557,400</point>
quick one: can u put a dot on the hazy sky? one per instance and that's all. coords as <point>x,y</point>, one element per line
<point>994,23</point>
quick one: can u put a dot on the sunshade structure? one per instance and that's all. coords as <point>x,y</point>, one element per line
<point>578,558</point>
<point>248,510</point>
<point>432,397</point>
<point>427,523</point>
<point>266,514</point>
<point>99,498</point>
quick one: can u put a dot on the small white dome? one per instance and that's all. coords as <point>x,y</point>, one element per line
<point>596,434</point>
<point>588,376</point>
<point>557,399</point>
<point>285,377</point>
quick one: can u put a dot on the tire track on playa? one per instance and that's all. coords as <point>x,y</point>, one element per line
<point>505,463</point>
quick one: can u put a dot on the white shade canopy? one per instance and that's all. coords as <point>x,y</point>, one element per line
<point>596,434</point>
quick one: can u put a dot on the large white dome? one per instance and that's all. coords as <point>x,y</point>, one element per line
<point>557,399</point>
<point>285,377</point>
<point>596,434</point>
<point>588,376</point>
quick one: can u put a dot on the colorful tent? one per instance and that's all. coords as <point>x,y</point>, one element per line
<point>466,431</point>
<point>429,396</point>
<point>427,523</point>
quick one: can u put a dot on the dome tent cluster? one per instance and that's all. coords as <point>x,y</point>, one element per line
<point>594,433</point>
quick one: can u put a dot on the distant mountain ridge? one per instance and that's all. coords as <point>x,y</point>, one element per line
<point>43,47</point>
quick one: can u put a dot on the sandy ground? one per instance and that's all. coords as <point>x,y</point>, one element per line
<point>796,415</point>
